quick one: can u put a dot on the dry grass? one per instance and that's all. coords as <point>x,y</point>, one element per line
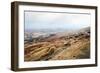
<point>59,49</point>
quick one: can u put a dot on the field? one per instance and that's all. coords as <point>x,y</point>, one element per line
<point>40,46</point>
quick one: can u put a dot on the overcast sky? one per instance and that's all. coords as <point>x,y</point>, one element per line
<point>48,20</point>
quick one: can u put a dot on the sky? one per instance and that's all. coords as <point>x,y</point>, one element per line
<point>53,20</point>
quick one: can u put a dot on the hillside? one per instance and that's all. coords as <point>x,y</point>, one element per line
<point>59,46</point>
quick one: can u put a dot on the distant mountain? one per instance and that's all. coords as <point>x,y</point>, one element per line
<point>87,29</point>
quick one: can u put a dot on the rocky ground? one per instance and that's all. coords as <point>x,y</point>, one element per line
<point>75,46</point>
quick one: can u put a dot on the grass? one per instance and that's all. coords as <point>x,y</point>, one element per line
<point>85,52</point>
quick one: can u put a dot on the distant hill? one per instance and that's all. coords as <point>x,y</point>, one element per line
<point>54,35</point>
<point>86,29</point>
